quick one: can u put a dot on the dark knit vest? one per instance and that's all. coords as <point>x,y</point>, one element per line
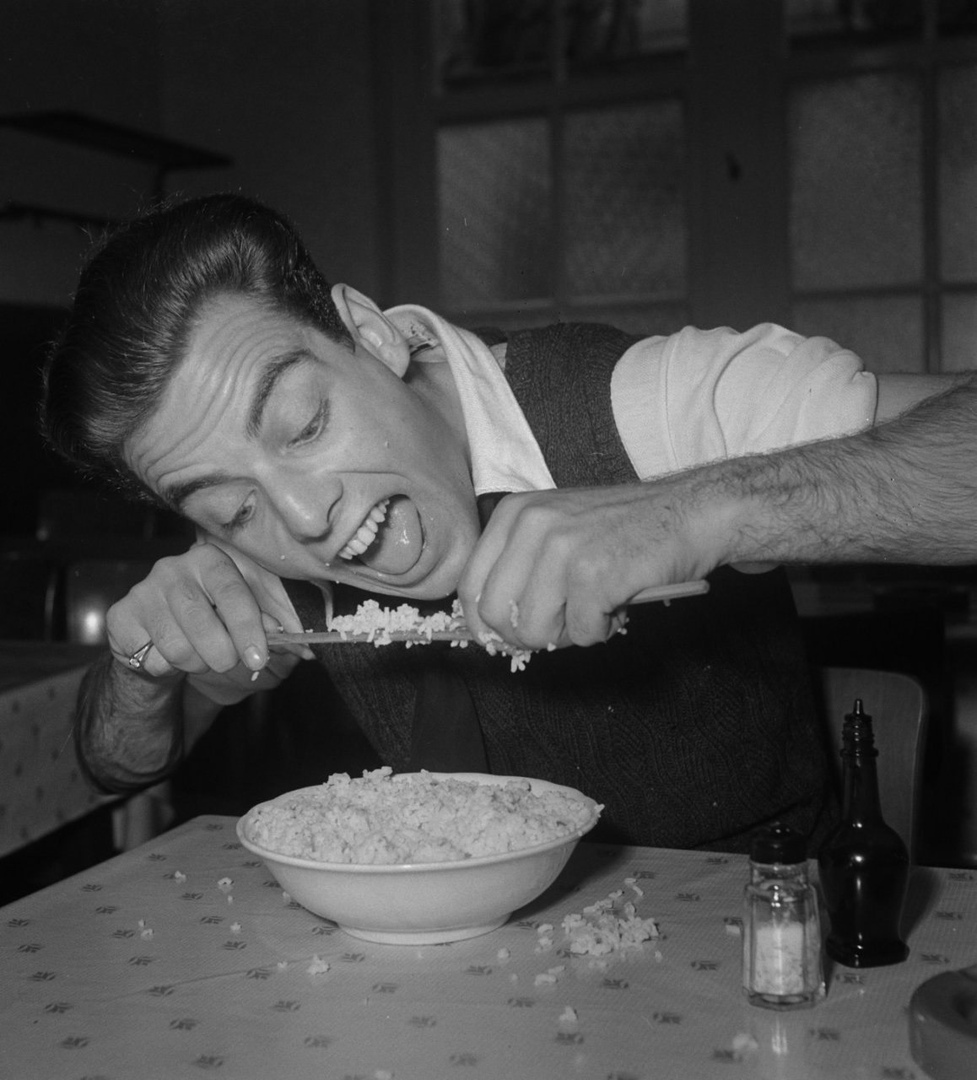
<point>692,729</point>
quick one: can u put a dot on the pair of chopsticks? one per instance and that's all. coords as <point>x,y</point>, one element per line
<point>663,593</point>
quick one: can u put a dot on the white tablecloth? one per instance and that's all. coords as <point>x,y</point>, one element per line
<point>182,958</point>
<point>41,787</point>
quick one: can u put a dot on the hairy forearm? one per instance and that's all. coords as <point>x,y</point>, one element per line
<point>128,727</point>
<point>905,491</point>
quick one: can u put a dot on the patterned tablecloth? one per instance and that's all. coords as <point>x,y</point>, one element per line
<point>41,787</point>
<point>183,958</point>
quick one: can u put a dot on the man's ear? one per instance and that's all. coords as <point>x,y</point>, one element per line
<point>371,328</point>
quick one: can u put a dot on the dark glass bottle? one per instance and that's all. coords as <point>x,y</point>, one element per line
<point>863,864</point>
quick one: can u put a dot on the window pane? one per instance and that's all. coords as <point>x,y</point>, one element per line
<point>859,20</point>
<point>476,38</point>
<point>494,212</point>
<point>625,227</point>
<point>886,332</point>
<point>602,30</point>
<point>959,333</point>
<point>958,173</point>
<point>492,38</point>
<point>855,196</point>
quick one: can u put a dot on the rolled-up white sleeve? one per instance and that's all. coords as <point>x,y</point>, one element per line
<point>702,395</point>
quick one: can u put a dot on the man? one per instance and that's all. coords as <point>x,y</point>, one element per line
<point>316,441</point>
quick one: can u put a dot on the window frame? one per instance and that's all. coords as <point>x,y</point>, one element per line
<point>734,82</point>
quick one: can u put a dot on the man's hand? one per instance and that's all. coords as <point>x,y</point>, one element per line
<point>559,567</point>
<point>207,617</point>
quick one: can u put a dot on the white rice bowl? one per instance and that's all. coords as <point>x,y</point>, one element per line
<point>503,841</point>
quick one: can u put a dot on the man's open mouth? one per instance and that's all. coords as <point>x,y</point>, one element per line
<point>389,539</point>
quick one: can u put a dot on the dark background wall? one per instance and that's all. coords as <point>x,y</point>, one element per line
<point>285,90</point>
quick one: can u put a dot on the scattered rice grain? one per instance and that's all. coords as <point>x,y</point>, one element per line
<point>318,965</point>
<point>606,927</point>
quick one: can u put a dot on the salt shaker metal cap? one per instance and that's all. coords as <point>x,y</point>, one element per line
<point>781,928</point>
<point>778,844</point>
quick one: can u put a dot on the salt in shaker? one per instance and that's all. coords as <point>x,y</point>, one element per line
<point>781,928</point>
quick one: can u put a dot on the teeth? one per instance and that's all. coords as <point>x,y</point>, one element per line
<point>366,533</point>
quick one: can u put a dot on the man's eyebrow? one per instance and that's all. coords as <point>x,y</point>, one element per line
<point>178,494</point>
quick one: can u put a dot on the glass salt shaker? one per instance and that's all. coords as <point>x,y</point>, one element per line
<point>781,928</point>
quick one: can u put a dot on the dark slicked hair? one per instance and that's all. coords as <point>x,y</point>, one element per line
<point>138,301</point>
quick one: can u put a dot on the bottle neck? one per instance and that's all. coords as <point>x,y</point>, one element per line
<point>861,783</point>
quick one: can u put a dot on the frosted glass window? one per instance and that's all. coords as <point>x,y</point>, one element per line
<point>886,332</point>
<point>958,173</point>
<point>625,229</point>
<point>494,212</point>
<point>814,17</point>
<point>608,29</point>
<point>855,195</point>
<point>661,24</point>
<point>853,18</point>
<point>959,332</point>
<point>479,38</point>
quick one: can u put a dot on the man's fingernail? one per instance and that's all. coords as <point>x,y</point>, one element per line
<point>252,657</point>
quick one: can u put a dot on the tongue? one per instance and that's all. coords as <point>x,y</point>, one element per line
<point>399,540</point>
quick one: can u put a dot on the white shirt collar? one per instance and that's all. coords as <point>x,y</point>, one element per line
<point>505,455</point>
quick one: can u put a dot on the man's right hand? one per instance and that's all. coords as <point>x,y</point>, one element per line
<point>206,615</point>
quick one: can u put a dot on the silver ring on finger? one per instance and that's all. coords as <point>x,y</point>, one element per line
<point>137,658</point>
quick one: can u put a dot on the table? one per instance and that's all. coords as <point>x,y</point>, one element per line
<point>183,958</point>
<point>41,787</point>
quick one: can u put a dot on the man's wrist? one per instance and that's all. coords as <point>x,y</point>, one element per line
<point>128,727</point>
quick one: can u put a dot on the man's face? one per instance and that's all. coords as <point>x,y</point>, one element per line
<point>316,461</point>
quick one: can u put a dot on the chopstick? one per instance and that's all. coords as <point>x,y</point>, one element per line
<point>326,637</point>
<point>670,592</point>
<point>663,593</point>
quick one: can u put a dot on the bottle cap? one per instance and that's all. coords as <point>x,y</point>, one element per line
<point>857,730</point>
<point>778,843</point>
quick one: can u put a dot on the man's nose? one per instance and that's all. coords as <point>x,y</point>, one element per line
<point>305,505</point>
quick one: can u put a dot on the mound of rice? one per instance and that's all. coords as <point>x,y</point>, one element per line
<point>412,818</point>
<point>377,624</point>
